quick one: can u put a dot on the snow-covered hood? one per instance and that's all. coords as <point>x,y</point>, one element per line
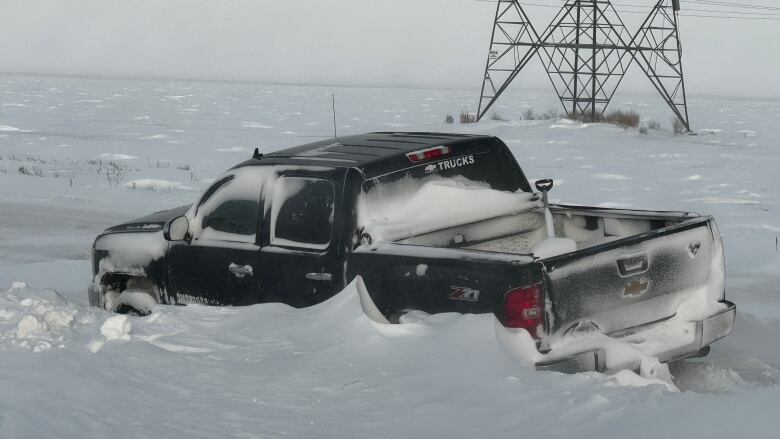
<point>150,223</point>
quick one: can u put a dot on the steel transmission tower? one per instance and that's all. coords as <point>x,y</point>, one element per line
<point>659,52</point>
<point>586,51</point>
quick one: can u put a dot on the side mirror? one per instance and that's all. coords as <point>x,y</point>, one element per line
<point>544,185</point>
<point>176,229</point>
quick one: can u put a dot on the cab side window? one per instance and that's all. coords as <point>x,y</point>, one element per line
<point>229,211</point>
<point>238,217</point>
<point>302,214</point>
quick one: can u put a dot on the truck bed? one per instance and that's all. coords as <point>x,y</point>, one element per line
<point>519,233</point>
<point>630,269</point>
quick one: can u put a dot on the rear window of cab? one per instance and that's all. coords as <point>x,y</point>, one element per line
<point>492,168</point>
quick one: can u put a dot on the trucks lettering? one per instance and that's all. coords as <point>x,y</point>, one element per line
<point>450,164</point>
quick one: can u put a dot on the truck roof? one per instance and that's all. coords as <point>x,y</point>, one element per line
<point>372,153</point>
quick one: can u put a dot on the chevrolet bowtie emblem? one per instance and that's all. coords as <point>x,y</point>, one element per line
<point>636,288</point>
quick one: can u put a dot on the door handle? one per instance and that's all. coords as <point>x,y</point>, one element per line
<point>321,277</point>
<point>240,271</point>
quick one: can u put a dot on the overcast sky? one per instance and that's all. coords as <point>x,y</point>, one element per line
<point>440,43</point>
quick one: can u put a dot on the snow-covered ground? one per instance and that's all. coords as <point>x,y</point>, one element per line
<point>78,155</point>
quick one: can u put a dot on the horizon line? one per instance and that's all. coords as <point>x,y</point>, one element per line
<point>108,77</point>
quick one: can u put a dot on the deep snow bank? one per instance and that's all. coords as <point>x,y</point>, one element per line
<point>36,322</point>
<point>328,371</point>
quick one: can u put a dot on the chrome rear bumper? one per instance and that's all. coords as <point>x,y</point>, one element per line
<point>708,331</point>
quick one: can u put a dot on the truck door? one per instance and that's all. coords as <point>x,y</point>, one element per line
<point>299,257</point>
<point>219,265</point>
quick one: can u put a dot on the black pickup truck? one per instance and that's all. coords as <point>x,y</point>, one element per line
<point>428,222</point>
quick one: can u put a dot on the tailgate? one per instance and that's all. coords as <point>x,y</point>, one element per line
<point>636,280</point>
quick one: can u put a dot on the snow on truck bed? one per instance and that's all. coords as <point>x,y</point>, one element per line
<point>408,208</point>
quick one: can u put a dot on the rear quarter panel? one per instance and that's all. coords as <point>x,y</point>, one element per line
<point>437,280</point>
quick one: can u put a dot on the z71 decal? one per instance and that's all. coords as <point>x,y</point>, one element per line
<point>464,293</point>
<point>450,164</point>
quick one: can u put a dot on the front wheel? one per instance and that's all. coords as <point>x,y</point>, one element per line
<point>137,302</point>
<point>135,296</point>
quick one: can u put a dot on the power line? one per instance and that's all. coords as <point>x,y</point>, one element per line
<point>717,11</point>
<point>733,12</point>
<point>730,18</point>
<point>713,11</point>
<point>734,5</point>
<point>740,15</point>
<point>705,3</point>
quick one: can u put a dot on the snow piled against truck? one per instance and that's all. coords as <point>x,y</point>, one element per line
<point>258,370</point>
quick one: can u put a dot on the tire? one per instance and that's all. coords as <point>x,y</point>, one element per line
<point>138,297</point>
<point>137,302</point>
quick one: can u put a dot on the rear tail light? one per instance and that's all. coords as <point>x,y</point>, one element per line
<point>524,308</point>
<point>427,154</point>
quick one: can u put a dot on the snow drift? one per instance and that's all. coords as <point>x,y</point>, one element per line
<point>329,370</point>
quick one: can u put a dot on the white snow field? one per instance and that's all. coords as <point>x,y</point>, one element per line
<point>80,154</point>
